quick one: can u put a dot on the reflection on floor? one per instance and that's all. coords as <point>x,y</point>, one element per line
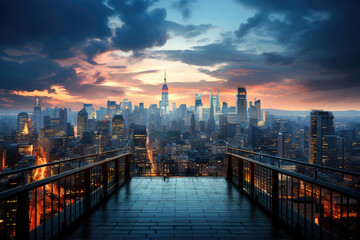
<point>181,208</point>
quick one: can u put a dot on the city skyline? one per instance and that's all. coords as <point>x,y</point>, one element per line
<point>244,44</point>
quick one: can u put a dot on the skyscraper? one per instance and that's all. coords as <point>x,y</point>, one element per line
<point>111,108</point>
<point>37,116</point>
<point>118,130</point>
<point>139,149</point>
<point>215,110</point>
<point>63,121</point>
<point>90,111</point>
<point>241,104</point>
<point>82,122</point>
<point>258,109</point>
<point>193,125</point>
<point>164,97</point>
<point>321,124</point>
<point>22,122</point>
<point>198,101</point>
<point>225,108</point>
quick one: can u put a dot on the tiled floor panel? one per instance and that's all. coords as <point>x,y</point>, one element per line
<point>180,208</point>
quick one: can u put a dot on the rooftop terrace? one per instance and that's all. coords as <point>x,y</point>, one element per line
<point>179,207</point>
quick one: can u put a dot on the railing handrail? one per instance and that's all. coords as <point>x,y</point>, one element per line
<point>333,187</point>
<point>30,186</point>
<point>16,171</point>
<point>300,162</point>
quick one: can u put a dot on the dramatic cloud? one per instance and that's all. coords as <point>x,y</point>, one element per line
<point>188,31</point>
<point>207,55</point>
<point>56,26</point>
<point>184,7</point>
<point>322,33</point>
<point>274,58</point>
<point>141,28</point>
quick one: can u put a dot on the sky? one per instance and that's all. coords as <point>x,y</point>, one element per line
<point>293,55</point>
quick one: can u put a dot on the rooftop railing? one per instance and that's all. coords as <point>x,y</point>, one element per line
<point>49,207</point>
<point>311,206</point>
<point>23,176</point>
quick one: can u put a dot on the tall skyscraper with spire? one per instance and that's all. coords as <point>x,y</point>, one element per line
<point>37,116</point>
<point>164,104</point>
<point>241,105</point>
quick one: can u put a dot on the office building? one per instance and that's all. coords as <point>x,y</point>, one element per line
<point>139,149</point>
<point>118,130</point>
<point>241,104</point>
<point>82,122</point>
<point>321,125</point>
<point>37,116</point>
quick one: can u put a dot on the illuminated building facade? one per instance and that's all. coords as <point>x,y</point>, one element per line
<point>139,149</point>
<point>241,104</point>
<point>111,108</point>
<point>118,130</point>
<point>164,104</point>
<point>62,122</point>
<point>102,135</point>
<point>82,122</point>
<point>321,124</point>
<point>37,116</point>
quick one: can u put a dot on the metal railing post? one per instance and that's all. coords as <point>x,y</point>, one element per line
<point>117,173</point>
<point>87,191</point>
<point>104,178</point>
<point>22,216</point>
<point>229,174</point>
<point>241,172</point>
<point>275,193</point>
<point>252,179</point>
<point>127,167</point>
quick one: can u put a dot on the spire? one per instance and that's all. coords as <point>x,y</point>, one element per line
<point>165,76</point>
<point>37,100</point>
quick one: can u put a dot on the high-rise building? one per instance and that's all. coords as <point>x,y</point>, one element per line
<point>139,149</point>
<point>225,108</point>
<point>90,111</point>
<point>258,109</point>
<point>223,126</point>
<point>82,122</point>
<point>193,125</point>
<point>37,116</point>
<point>198,101</point>
<point>118,130</point>
<point>63,121</point>
<point>22,123</point>
<point>241,104</point>
<point>284,144</point>
<point>321,124</point>
<point>102,135</point>
<point>164,98</point>
<point>111,108</point>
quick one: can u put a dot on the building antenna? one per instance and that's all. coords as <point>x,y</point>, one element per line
<point>165,76</point>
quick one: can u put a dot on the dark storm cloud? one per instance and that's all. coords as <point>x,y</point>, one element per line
<point>184,7</point>
<point>322,33</point>
<point>142,28</point>
<point>54,25</point>
<point>252,22</point>
<point>34,73</point>
<point>188,31</point>
<point>277,59</point>
<point>207,55</point>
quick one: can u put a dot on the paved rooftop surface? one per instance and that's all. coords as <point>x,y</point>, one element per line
<point>181,208</point>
